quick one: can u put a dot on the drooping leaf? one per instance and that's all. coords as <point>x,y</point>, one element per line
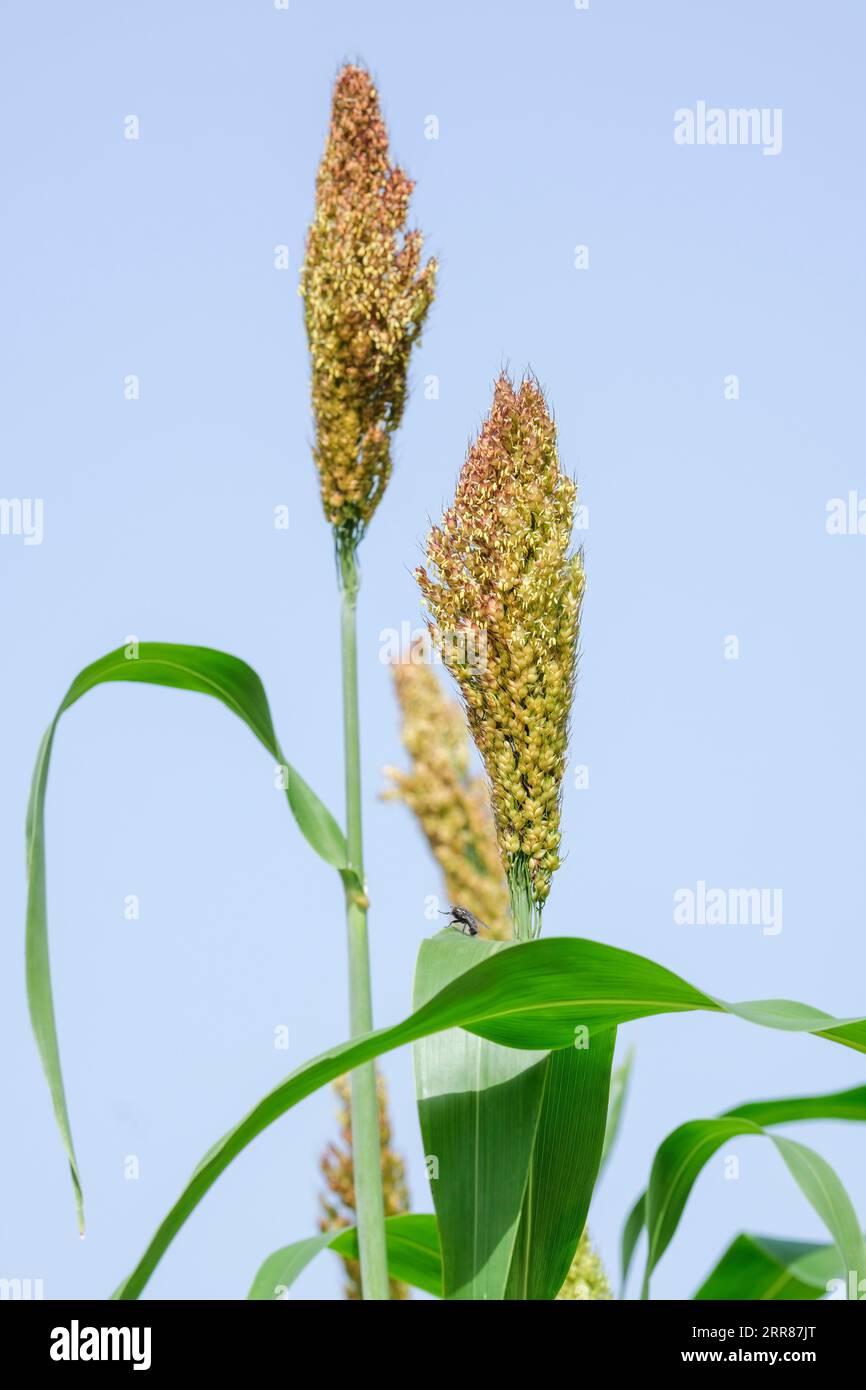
<point>530,996</point>
<point>836,1105</point>
<point>681,1157</point>
<point>761,1269</point>
<point>412,1242</point>
<point>822,1187</point>
<point>200,669</point>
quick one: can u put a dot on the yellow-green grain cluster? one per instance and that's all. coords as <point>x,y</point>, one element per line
<point>586,1280</point>
<point>451,805</point>
<point>365,300</point>
<point>504,595</point>
<point>338,1203</point>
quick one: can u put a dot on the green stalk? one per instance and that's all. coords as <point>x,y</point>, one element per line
<point>525,915</point>
<point>366,1148</point>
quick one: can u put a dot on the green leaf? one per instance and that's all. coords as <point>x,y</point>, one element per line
<point>565,1166</point>
<point>530,995</point>
<point>619,1084</point>
<point>836,1105</point>
<point>631,1234</point>
<point>513,1142</point>
<point>681,1157</point>
<point>822,1187</point>
<point>478,1106</point>
<point>413,1256</point>
<point>281,1269</point>
<point>413,1250</point>
<point>761,1269</point>
<point>214,673</point>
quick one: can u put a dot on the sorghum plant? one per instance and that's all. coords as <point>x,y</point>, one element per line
<point>365,300</point>
<point>514,1037</point>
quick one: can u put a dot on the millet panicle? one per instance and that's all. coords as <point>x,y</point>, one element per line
<point>365,301</point>
<point>503,593</point>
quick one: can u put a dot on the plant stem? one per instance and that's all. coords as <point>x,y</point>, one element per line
<point>366,1148</point>
<point>525,916</point>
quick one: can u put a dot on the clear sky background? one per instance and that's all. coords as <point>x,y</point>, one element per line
<point>155,257</point>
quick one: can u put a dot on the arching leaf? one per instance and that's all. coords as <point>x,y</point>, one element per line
<point>200,669</point>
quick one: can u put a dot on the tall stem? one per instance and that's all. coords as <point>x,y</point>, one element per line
<point>366,1147</point>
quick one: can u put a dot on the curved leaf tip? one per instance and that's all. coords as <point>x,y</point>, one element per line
<point>207,672</point>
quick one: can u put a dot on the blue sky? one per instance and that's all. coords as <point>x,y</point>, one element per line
<point>155,258</point>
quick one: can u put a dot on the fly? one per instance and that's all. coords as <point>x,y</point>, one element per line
<point>464,921</point>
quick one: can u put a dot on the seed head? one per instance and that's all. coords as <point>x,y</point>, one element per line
<point>501,582</point>
<point>586,1280</point>
<point>365,301</point>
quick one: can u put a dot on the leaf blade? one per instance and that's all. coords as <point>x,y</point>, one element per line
<point>631,1234</point>
<point>198,669</point>
<point>818,1182</point>
<point>530,995</point>
<point>681,1157</point>
<point>478,1107</point>
<point>413,1256</point>
<point>619,1085</point>
<point>834,1105</point>
<point>565,1165</point>
<point>760,1269</point>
